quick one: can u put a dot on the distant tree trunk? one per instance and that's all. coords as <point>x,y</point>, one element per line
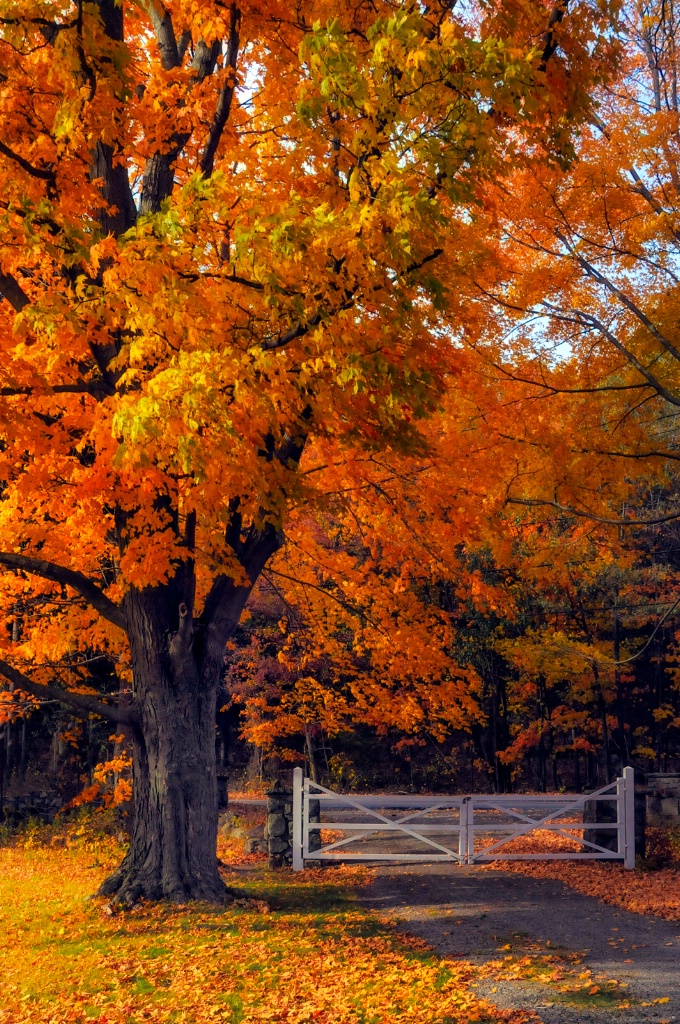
<point>9,749</point>
<point>577,764</point>
<point>542,781</point>
<point>311,754</point>
<point>3,730</point>
<point>621,738</point>
<point>602,706</point>
<point>23,757</point>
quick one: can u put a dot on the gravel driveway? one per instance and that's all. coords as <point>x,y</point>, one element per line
<point>471,913</point>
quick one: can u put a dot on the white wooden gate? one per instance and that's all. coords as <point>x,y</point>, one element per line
<point>462,829</point>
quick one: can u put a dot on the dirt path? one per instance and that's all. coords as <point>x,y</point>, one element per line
<point>472,913</point>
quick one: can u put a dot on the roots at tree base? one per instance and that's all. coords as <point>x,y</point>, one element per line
<point>132,882</point>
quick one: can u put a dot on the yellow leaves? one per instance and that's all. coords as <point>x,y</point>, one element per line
<point>355,185</point>
<point>315,290</point>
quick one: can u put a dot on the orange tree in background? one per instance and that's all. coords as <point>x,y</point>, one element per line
<point>578,319</point>
<point>573,312</point>
<point>228,232</point>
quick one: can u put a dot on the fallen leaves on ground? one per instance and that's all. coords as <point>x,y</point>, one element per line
<point>655,893</point>
<point>290,950</point>
<point>230,851</point>
<point>566,980</point>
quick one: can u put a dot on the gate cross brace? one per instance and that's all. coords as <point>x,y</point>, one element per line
<point>396,823</point>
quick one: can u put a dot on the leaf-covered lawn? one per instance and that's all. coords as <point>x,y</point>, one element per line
<point>314,957</point>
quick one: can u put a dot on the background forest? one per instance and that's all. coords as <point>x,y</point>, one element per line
<point>543,708</point>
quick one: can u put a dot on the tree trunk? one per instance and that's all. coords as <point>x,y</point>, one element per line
<point>173,843</point>
<point>177,664</point>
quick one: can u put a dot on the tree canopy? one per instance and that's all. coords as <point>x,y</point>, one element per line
<point>252,280</point>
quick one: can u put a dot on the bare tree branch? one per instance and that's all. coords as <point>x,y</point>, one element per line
<point>76,580</point>
<point>80,702</point>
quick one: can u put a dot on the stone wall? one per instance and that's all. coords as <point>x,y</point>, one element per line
<point>42,805</point>
<point>278,828</point>
<point>663,797</point>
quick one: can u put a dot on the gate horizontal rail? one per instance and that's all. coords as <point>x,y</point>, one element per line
<point>472,823</point>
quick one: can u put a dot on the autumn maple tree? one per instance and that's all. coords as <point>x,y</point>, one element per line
<point>228,232</point>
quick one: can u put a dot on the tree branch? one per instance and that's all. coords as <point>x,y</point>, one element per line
<point>80,702</point>
<point>592,321</point>
<point>115,191</point>
<point>226,599</point>
<point>226,96</point>
<point>11,290</point>
<point>609,286</point>
<point>76,580</point>
<point>643,191</point>
<point>159,179</point>
<point>300,329</point>
<point>536,502</point>
<point>418,264</point>
<point>95,388</point>
<point>549,39</point>
<point>161,20</point>
<point>35,172</point>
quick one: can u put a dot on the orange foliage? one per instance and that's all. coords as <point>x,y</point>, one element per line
<point>237,242</point>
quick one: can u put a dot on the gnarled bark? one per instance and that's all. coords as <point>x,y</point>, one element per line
<point>177,663</point>
<point>172,853</point>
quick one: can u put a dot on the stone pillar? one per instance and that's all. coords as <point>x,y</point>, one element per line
<point>600,812</point>
<point>278,829</point>
<point>663,794</point>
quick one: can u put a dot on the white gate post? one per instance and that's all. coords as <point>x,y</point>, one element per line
<point>298,862</point>
<point>463,834</point>
<point>470,859</point>
<point>628,817</point>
